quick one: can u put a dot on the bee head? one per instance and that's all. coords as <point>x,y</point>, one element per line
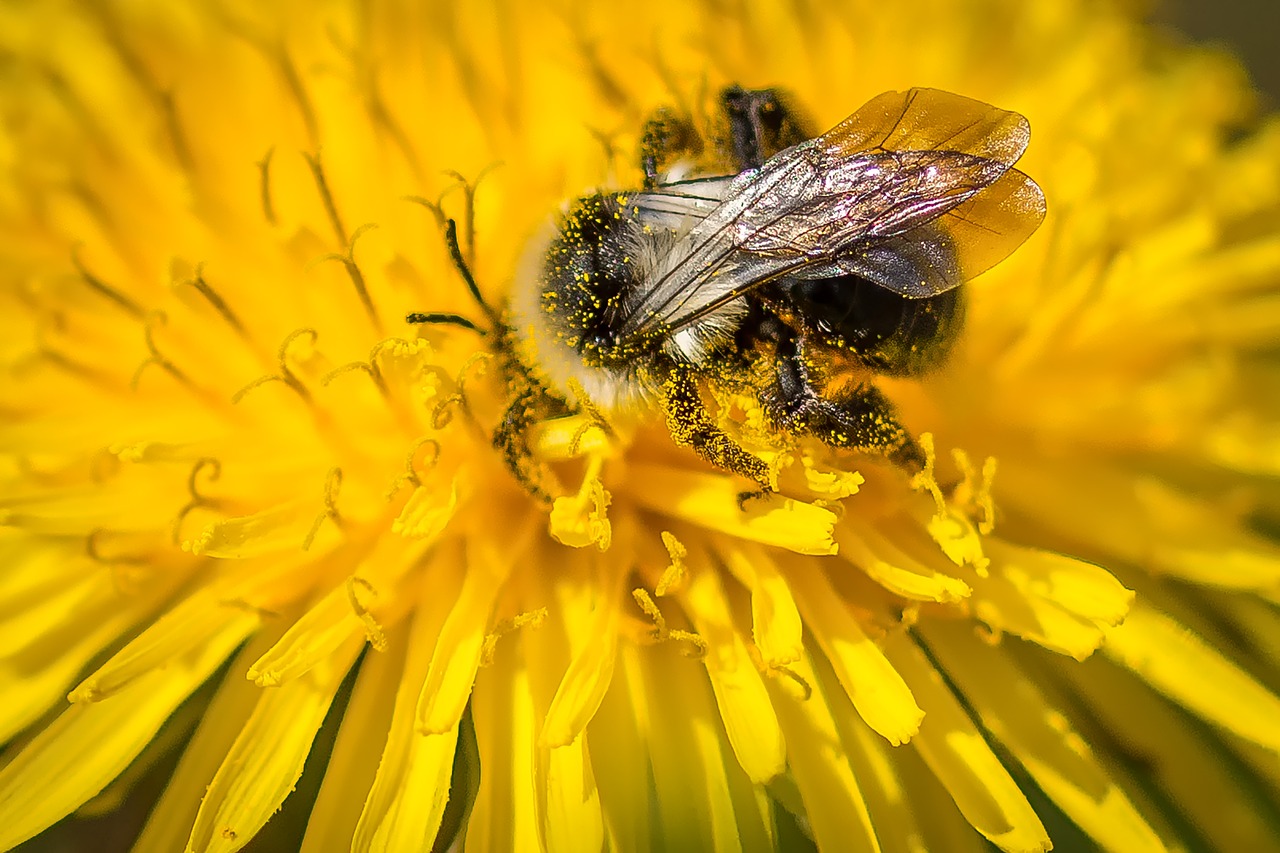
<point>586,273</point>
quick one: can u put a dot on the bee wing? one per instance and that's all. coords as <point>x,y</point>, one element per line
<point>915,191</point>
<point>931,120</point>
<point>679,205</point>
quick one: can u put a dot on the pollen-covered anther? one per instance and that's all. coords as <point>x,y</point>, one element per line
<point>529,619</point>
<point>677,572</point>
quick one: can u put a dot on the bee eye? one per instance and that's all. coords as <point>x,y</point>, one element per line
<point>603,340</point>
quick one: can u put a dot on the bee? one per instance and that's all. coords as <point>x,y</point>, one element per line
<point>800,273</point>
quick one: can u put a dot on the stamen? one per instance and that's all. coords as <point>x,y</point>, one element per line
<point>442,414</point>
<point>412,475</point>
<point>92,547</point>
<point>264,185</point>
<point>361,366</point>
<point>158,359</point>
<point>575,443</point>
<point>469,206</point>
<point>533,619</point>
<point>215,299</point>
<point>111,293</point>
<point>293,80</point>
<point>326,197</point>
<point>177,138</point>
<point>285,375</point>
<point>162,99</point>
<point>460,262</point>
<point>661,632</point>
<point>214,467</point>
<point>925,480</point>
<point>380,112</point>
<point>348,262</point>
<point>598,420</point>
<point>377,637</point>
<point>369,367</point>
<point>332,485</point>
<point>779,671</point>
<point>974,492</point>
<point>127,571</point>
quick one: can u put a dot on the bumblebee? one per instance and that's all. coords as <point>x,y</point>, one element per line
<point>799,273</point>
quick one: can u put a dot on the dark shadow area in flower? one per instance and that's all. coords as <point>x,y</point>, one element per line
<point>1247,27</point>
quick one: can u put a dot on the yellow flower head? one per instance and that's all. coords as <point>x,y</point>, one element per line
<point>239,496</point>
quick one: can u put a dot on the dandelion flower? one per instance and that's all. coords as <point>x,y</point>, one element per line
<point>239,491</point>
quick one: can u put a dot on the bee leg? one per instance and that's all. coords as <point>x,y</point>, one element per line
<point>861,419</point>
<point>690,425</point>
<point>665,139</point>
<point>864,420</point>
<point>511,439</point>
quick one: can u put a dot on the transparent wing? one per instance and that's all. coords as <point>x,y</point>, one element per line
<point>679,205</point>
<point>915,191</point>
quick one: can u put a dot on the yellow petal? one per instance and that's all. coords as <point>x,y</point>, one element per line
<point>405,805</point>
<point>590,671</point>
<point>963,762</point>
<point>836,810</point>
<point>876,689</point>
<point>504,818</point>
<point>705,800</point>
<point>740,694</point>
<point>457,653</point>
<point>354,762</point>
<point>427,512</point>
<point>1004,607</point>
<point>1179,664</point>
<point>1080,588</point>
<point>712,501</point>
<point>174,634</point>
<point>1040,737</point>
<point>265,761</point>
<point>277,529</point>
<point>36,672</point>
<point>775,621</point>
<point>169,824</point>
<point>356,609</point>
<point>89,745</point>
<point>570,800</point>
<point>617,737</point>
<point>580,520</point>
<point>1191,777</point>
<point>892,568</point>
